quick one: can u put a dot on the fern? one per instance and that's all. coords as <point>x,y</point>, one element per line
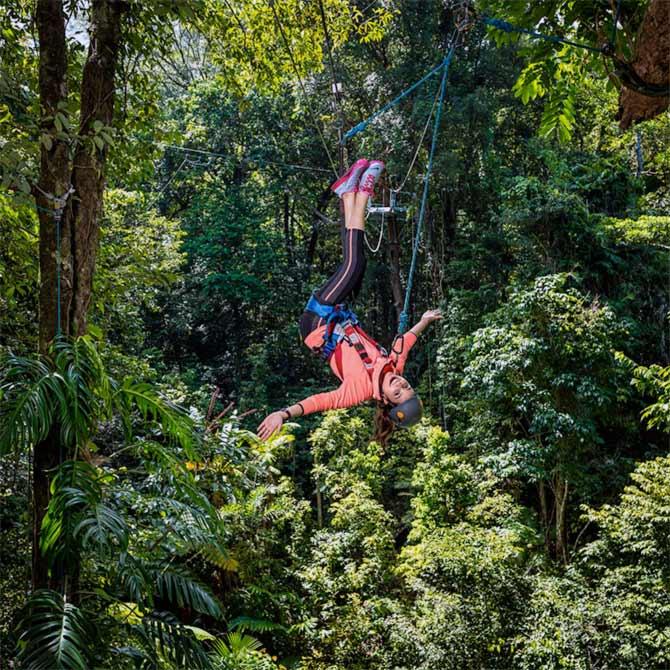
<point>55,634</point>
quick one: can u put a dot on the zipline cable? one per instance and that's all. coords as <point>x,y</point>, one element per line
<point>404,315</point>
<point>260,161</point>
<point>360,127</point>
<point>420,143</point>
<point>507,27</point>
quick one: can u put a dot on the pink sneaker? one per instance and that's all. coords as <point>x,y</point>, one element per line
<point>348,182</point>
<point>370,176</point>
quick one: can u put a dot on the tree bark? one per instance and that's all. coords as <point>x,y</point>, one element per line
<point>321,203</point>
<point>54,176</point>
<point>652,63</point>
<point>88,175</point>
<point>394,265</point>
<point>561,495</point>
<point>79,226</point>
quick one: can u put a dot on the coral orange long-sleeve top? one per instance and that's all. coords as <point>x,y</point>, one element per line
<point>357,386</point>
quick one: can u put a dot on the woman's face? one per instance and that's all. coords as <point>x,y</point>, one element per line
<point>396,389</point>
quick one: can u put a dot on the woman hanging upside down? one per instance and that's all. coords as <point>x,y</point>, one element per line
<point>331,330</point>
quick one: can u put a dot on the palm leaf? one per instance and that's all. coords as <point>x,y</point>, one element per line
<point>134,579</point>
<point>165,640</point>
<point>257,625</point>
<point>74,488</point>
<point>55,634</point>
<point>29,393</point>
<point>76,518</point>
<point>237,645</point>
<point>99,525</point>
<point>87,388</point>
<point>176,585</point>
<point>174,421</point>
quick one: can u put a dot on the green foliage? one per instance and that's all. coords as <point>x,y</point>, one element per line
<point>558,71</point>
<point>139,258</point>
<point>70,390</point>
<point>191,536</point>
<point>241,652</point>
<point>56,634</point>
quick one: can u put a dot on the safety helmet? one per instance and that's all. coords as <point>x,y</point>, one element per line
<point>407,413</point>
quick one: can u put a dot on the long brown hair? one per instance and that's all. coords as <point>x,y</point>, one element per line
<point>383,424</point>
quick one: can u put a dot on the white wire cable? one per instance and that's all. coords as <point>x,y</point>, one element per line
<point>418,146</point>
<point>381,235</point>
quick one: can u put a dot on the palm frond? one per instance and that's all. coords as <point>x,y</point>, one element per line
<point>134,579</point>
<point>176,585</point>
<point>87,388</point>
<point>99,525</point>
<point>173,420</point>
<point>74,488</point>
<point>256,625</point>
<point>237,646</point>
<point>29,394</point>
<point>76,518</point>
<point>55,634</point>
<point>68,387</point>
<point>165,640</point>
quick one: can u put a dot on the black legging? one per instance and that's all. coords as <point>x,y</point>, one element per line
<point>345,282</point>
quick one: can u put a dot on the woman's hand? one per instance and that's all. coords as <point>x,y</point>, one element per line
<point>270,425</point>
<point>431,315</point>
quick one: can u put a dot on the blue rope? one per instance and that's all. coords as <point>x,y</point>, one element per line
<point>364,124</point>
<point>510,28</point>
<point>58,217</point>
<point>404,315</point>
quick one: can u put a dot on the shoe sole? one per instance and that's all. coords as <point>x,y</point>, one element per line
<point>370,191</point>
<point>359,163</point>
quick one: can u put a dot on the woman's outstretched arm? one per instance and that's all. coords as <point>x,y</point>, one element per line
<point>403,344</point>
<point>351,392</point>
<point>427,318</point>
<point>273,422</point>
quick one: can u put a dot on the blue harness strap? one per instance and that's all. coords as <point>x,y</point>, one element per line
<point>334,315</point>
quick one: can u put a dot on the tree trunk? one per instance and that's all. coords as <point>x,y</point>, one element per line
<point>54,176</point>
<point>544,512</point>
<point>287,228</point>
<point>88,176</point>
<point>321,203</point>
<point>394,265</point>
<point>561,494</point>
<point>652,63</point>
<point>79,227</point>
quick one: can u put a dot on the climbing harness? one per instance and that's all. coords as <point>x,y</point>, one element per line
<point>341,324</point>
